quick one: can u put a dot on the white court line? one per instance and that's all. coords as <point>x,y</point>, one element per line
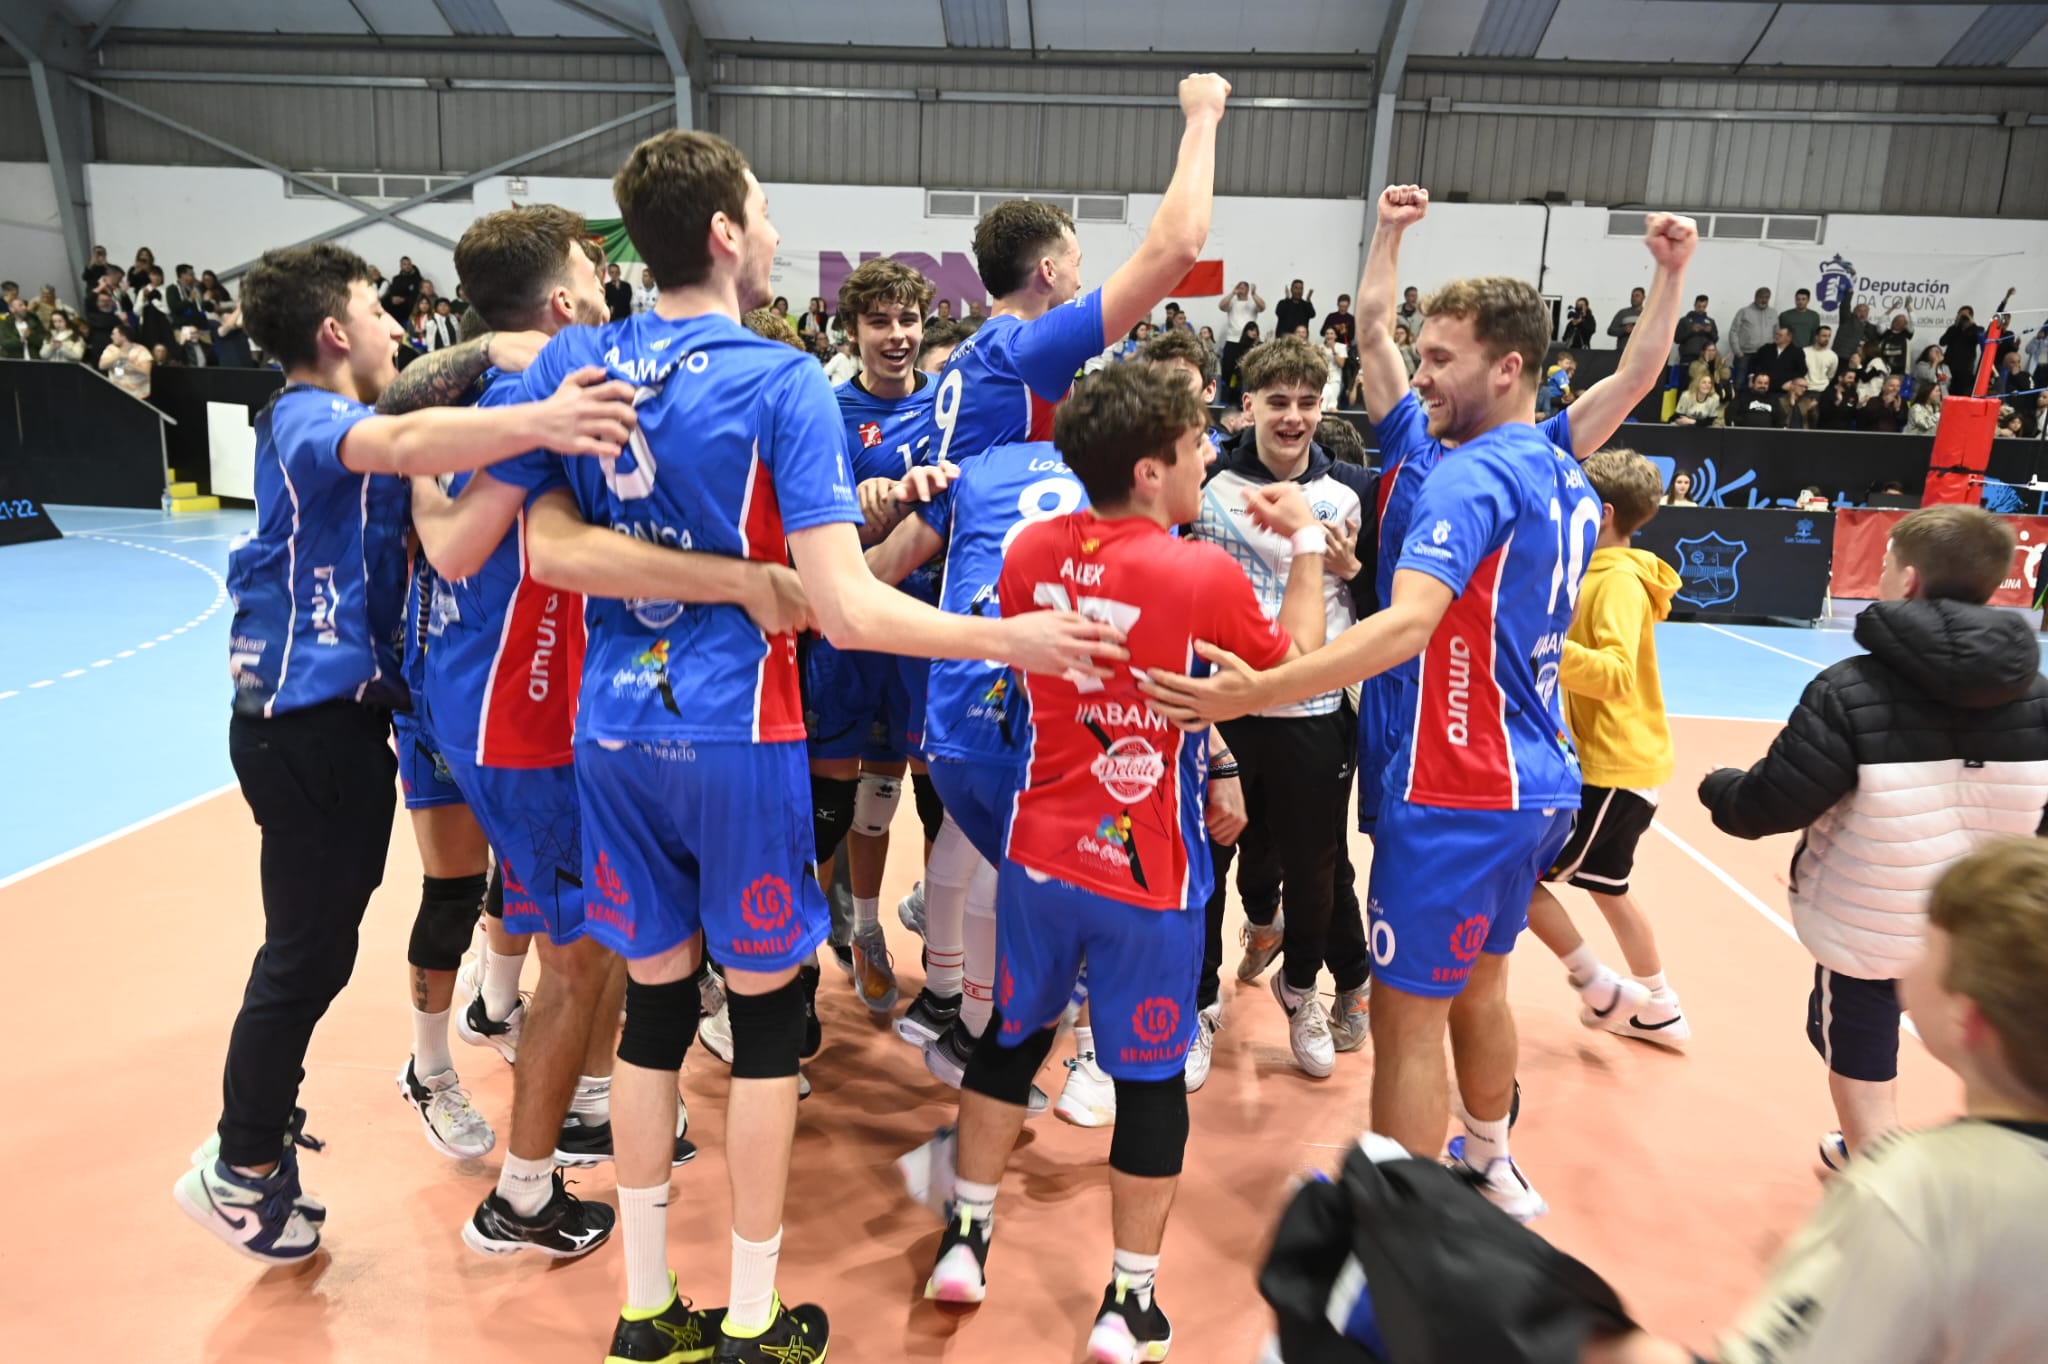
<point>158,524</point>
<point>1744,894</point>
<point>180,808</point>
<point>1771,648</point>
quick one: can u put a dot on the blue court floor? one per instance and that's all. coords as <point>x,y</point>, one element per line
<point>114,683</point>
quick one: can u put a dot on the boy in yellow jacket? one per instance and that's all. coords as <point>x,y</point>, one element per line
<point>1615,707</point>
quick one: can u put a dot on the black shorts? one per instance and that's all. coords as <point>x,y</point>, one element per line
<point>1854,1024</point>
<point>1602,848</point>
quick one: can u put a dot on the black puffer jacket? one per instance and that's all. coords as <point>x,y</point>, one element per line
<point>1896,763</point>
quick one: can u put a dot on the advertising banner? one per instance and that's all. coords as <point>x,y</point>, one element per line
<point>1927,289</point>
<point>1744,563</point>
<point>1861,536</point>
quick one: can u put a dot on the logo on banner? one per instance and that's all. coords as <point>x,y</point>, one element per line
<point>1707,569</point>
<point>1837,278</point>
<point>1802,533</point>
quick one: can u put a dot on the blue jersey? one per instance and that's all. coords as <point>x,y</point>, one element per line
<point>319,586</point>
<point>884,439</point>
<point>504,653</point>
<point>1507,522</point>
<point>420,588</point>
<point>974,710</point>
<point>1001,385</point>
<point>739,444</point>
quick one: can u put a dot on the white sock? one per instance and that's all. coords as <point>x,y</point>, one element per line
<point>593,1100</point>
<point>1582,963</point>
<point>752,1308</point>
<point>643,1226</point>
<point>501,983</point>
<point>430,1044</point>
<point>946,879</point>
<point>526,1184</point>
<point>1084,1041</point>
<point>978,985</point>
<point>1138,1271</point>
<point>1654,982</point>
<point>867,913</point>
<point>978,1199</point>
<point>1485,1142</point>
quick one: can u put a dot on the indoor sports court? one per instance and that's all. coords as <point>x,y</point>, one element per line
<point>397,400</point>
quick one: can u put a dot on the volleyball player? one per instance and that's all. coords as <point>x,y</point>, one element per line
<point>319,590</point>
<point>691,772</point>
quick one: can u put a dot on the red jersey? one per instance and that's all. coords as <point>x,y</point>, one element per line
<point>1113,794</point>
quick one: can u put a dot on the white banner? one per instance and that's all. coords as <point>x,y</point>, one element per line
<point>1929,290</point>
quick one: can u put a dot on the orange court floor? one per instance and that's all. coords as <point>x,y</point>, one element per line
<point>1676,1176</point>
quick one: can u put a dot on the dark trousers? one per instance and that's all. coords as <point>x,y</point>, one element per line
<point>320,783</point>
<point>1297,796</point>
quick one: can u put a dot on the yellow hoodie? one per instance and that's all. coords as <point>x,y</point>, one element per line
<point>1613,700</point>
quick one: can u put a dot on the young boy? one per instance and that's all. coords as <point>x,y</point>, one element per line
<point>1614,706</point>
<point>1896,763</point>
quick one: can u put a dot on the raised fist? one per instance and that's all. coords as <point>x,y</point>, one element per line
<point>1203,93</point>
<point>1403,205</point>
<point>1671,238</point>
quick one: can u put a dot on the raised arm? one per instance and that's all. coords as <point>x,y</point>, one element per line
<point>459,533</point>
<point>587,415</point>
<point>1180,226</point>
<point>442,377</point>
<point>1600,410</point>
<point>1381,373</point>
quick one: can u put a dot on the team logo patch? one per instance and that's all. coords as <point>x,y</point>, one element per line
<point>766,905</point>
<point>1707,569</point>
<point>606,878</point>
<point>1156,1020</point>
<point>1440,532</point>
<point>1469,937</point>
<point>1129,769</point>
<point>870,435</point>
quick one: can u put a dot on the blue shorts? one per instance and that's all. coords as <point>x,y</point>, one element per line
<point>1143,967</point>
<point>681,836</point>
<point>422,771</point>
<point>1379,712</point>
<point>863,705</point>
<point>1450,884</point>
<point>533,821</point>
<point>977,797</point>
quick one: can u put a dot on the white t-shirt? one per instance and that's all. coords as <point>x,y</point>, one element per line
<point>1929,1247</point>
<point>645,296</point>
<point>841,367</point>
<point>1242,312</point>
<point>1820,368</point>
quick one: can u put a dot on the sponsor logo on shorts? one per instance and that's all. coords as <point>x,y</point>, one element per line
<point>1155,1022</point>
<point>606,878</point>
<point>1006,987</point>
<point>1129,769</point>
<point>1469,937</point>
<point>766,905</point>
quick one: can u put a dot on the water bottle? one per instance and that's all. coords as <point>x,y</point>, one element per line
<point>167,501</point>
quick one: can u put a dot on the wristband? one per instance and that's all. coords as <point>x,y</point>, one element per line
<point>1309,540</point>
<point>1223,772</point>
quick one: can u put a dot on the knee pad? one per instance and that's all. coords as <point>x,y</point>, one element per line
<point>1005,1073</point>
<point>931,811</point>
<point>1151,1133</point>
<point>874,808</point>
<point>494,898</point>
<point>831,813</point>
<point>953,858</point>
<point>661,1020</point>
<point>446,921</point>
<point>767,1032</point>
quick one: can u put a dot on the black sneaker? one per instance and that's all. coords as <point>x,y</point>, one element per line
<point>581,1145</point>
<point>842,956</point>
<point>796,1336</point>
<point>677,1334</point>
<point>1126,1333</point>
<point>475,1026</point>
<point>563,1230</point>
<point>960,1274</point>
<point>814,1033</point>
<point>927,1018</point>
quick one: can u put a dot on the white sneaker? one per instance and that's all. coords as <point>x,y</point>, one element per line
<point>1503,1183</point>
<point>475,1026</point>
<point>1834,1153</point>
<point>1088,1099</point>
<point>1658,1020</point>
<point>910,909</point>
<point>1308,1030</point>
<point>1608,996</point>
<point>932,1170</point>
<point>715,1032</point>
<point>874,970</point>
<point>1201,1050</point>
<point>450,1120</point>
<point>247,1212</point>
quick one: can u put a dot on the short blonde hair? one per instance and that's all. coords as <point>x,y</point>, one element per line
<point>1628,483</point>
<point>1507,315</point>
<point>1993,905</point>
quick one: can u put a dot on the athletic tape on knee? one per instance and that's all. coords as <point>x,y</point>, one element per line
<point>446,921</point>
<point>953,858</point>
<point>931,811</point>
<point>1151,1134</point>
<point>1005,1073</point>
<point>831,813</point>
<point>875,806</point>
<point>767,1032</point>
<point>494,898</point>
<point>661,1021</point>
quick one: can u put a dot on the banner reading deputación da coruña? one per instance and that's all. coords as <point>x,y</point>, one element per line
<point>1928,289</point>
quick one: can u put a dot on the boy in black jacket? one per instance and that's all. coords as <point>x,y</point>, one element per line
<point>1896,763</point>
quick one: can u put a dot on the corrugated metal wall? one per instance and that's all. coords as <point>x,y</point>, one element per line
<point>21,132</point>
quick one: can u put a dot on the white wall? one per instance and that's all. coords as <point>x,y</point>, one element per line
<point>31,241</point>
<point>219,218</point>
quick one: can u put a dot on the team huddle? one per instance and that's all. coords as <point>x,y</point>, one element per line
<point>636,596</point>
